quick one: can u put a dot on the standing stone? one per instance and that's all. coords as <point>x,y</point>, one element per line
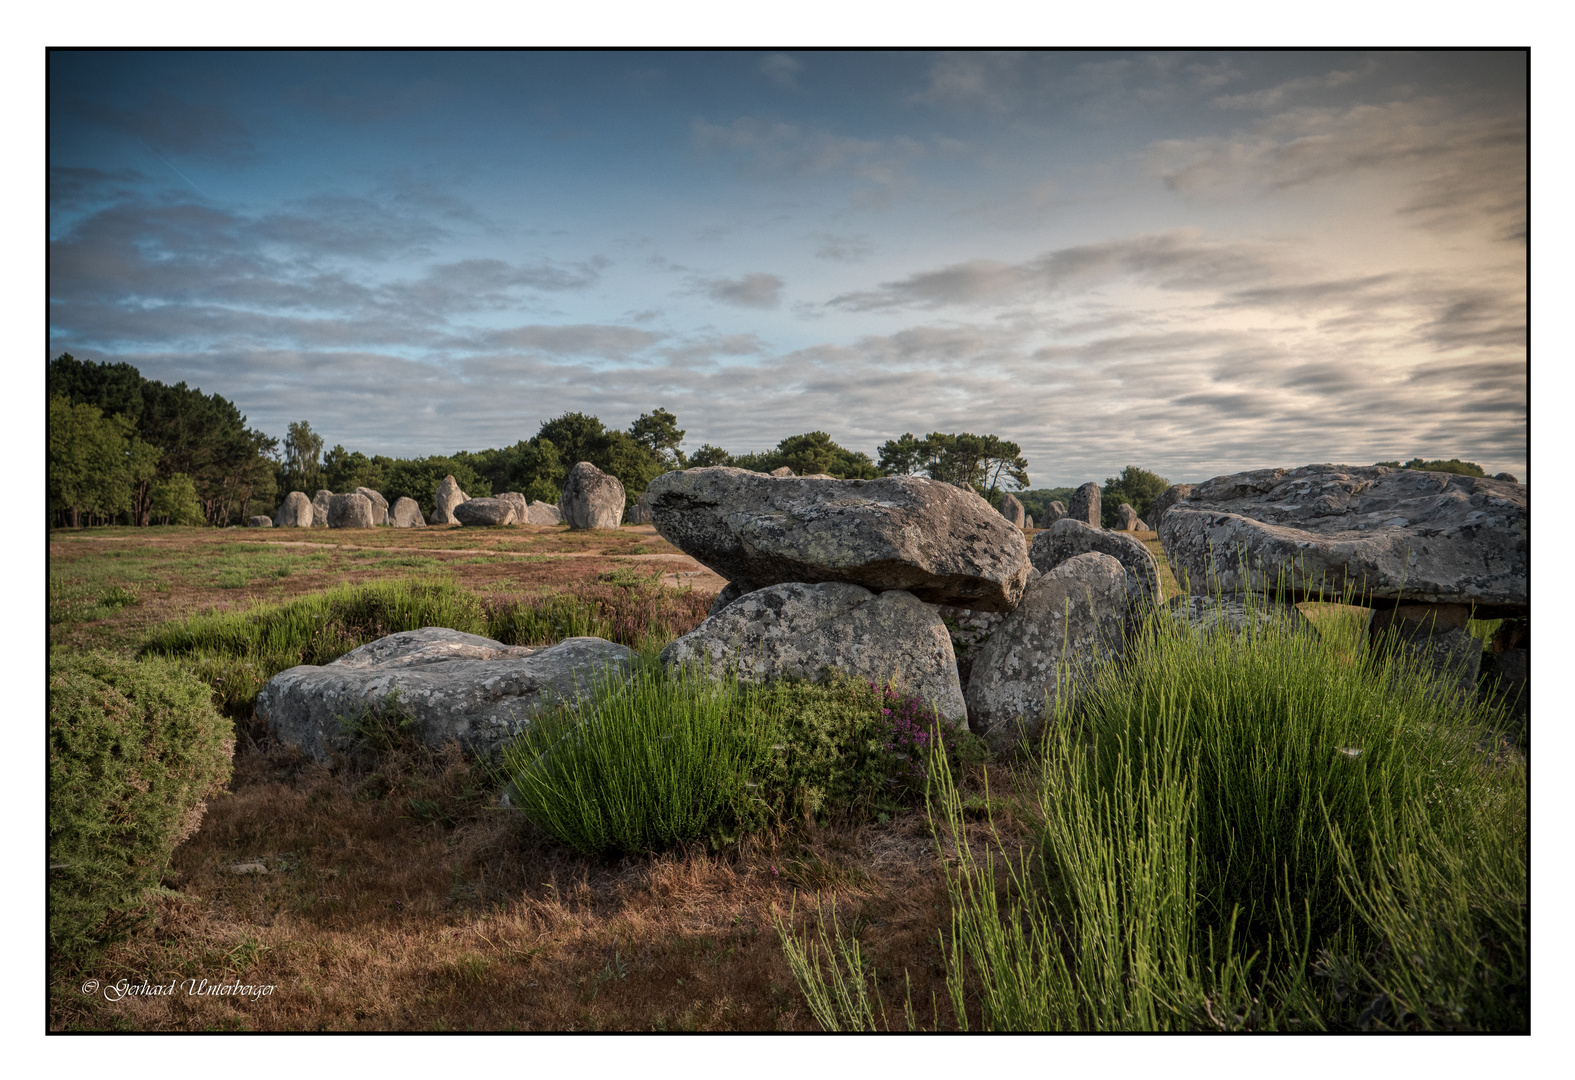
<point>1070,622</point>
<point>1069,538</point>
<point>1085,504</point>
<point>1054,513</point>
<point>1508,478</point>
<point>591,498</point>
<point>320,508</point>
<point>406,514</point>
<point>783,471</point>
<point>1167,498</point>
<point>1126,518</point>
<point>1011,509</point>
<point>541,513</point>
<point>259,521</point>
<point>296,512</point>
<point>937,541</point>
<point>1028,522</point>
<point>379,505</point>
<point>476,512</point>
<point>445,499</point>
<point>640,512</point>
<point>352,511</point>
<point>797,631</point>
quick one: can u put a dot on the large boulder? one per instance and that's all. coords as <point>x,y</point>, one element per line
<point>519,502</point>
<point>1069,538</point>
<point>1053,513</point>
<point>640,512</point>
<point>783,470</point>
<point>451,685</point>
<point>1167,498</point>
<point>1126,518</point>
<point>591,499</point>
<point>379,505</point>
<point>1011,509</point>
<point>320,508</point>
<point>350,511</point>
<point>1069,623</point>
<point>1386,534</point>
<point>295,512</point>
<point>259,521</point>
<point>541,513</point>
<point>406,514</point>
<point>941,543</point>
<point>475,512</point>
<point>798,631</point>
<point>444,499</point>
<point>1086,505</point>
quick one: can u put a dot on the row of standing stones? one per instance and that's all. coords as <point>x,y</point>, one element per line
<point>591,499</point>
<point>920,582</point>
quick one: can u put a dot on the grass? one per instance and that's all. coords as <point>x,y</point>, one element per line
<point>1241,832</point>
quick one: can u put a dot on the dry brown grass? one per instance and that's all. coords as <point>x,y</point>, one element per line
<point>400,897</point>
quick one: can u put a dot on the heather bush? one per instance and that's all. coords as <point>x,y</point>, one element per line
<point>136,748</point>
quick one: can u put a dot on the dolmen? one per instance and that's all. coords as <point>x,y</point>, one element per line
<point>882,579</point>
<point>449,685</point>
<point>1425,550</point>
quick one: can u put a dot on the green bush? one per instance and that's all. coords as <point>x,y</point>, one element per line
<point>676,757</point>
<point>135,749</point>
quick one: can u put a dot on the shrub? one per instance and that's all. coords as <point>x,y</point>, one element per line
<point>135,750</point>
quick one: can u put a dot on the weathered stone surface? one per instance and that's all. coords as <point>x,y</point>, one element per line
<point>591,498</point>
<point>406,514</point>
<point>540,513</point>
<point>1506,681</point>
<point>445,499</point>
<point>477,512</point>
<point>1384,533</point>
<point>1053,514</point>
<point>640,512</point>
<point>1126,518</point>
<point>1232,614</point>
<point>1069,538</point>
<point>1070,621</point>
<point>783,471</point>
<point>519,502</point>
<point>455,686</point>
<point>351,511</point>
<point>730,592</point>
<point>1028,521</point>
<point>320,508</point>
<point>968,630</point>
<point>1011,509</point>
<point>939,542</point>
<point>379,505</point>
<point>259,521</point>
<point>1142,526</point>
<point>797,631</point>
<point>1167,498</point>
<point>1508,478</point>
<point>296,512</point>
<point>1086,505</point>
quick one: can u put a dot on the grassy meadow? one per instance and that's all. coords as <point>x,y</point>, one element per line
<point>1276,831</point>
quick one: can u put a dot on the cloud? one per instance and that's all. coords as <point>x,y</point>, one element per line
<point>985,81</point>
<point>193,124</point>
<point>781,69</point>
<point>777,148</point>
<point>1181,259</point>
<point>842,248</point>
<point>749,291</point>
<point>1274,96</point>
<point>1457,169</point>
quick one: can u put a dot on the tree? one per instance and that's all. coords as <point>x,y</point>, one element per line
<point>1136,487</point>
<point>89,462</point>
<point>708,456</point>
<point>302,468</point>
<point>418,479</point>
<point>811,452</point>
<point>575,435</point>
<point>345,470</point>
<point>659,433</point>
<point>976,462</point>
<point>173,501</point>
<point>1453,465</point>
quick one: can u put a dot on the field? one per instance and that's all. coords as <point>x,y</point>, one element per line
<point>394,893</point>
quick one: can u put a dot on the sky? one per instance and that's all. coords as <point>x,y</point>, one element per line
<point>1194,262</point>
